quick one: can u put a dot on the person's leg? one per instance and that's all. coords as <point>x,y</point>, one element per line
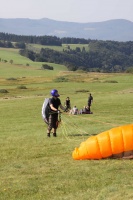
<point>48,132</point>
<point>89,106</point>
<point>49,126</point>
<point>55,124</point>
<point>54,133</point>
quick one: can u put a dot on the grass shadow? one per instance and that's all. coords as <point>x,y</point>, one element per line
<point>84,134</point>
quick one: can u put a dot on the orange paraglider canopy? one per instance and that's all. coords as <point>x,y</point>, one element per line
<point>112,143</point>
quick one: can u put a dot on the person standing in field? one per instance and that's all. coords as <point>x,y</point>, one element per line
<point>54,104</point>
<point>90,100</point>
<point>67,104</point>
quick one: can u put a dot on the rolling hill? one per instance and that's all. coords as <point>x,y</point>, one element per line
<point>117,30</point>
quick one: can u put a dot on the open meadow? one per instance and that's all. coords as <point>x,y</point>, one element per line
<point>34,167</point>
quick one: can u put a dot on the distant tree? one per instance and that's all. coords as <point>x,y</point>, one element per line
<point>29,54</point>
<point>78,49</point>
<point>1,44</point>
<point>45,66</point>
<point>11,61</point>
<point>83,50</point>
<point>20,45</point>
<point>8,44</point>
<point>129,70</point>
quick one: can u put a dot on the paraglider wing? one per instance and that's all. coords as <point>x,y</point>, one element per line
<point>45,110</point>
<point>106,144</point>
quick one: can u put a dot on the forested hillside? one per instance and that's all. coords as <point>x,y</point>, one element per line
<point>101,56</point>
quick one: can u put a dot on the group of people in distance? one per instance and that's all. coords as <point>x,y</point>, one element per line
<point>54,104</point>
<point>75,110</point>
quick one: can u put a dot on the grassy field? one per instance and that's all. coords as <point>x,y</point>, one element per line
<point>37,47</point>
<point>34,167</point>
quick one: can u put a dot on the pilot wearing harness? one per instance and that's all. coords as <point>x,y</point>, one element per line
<point>54,104</point>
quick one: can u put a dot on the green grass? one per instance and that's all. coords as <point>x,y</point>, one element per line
<point>34,167</point>
<point>74,46</point>
<point>38,47</point>
<point>12,54</point>
<point>18,60</point>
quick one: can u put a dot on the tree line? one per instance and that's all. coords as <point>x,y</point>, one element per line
<point>43,40</point>
<point>103,56</point>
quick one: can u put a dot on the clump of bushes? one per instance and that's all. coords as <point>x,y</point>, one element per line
<point>3,91</point>
<point>45,66</point>
<point>83,91</point>
<point>22,87</point>
<point>110,81</point>
<point>11,79</point>
<point>61,79</point>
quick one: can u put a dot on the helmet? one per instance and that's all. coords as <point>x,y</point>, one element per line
<point>54,93</point>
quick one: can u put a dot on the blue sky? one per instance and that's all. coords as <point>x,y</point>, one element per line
<point>68,10</point>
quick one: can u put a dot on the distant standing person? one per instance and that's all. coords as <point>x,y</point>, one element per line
<point>67,104</point>
<point>90,100</point>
